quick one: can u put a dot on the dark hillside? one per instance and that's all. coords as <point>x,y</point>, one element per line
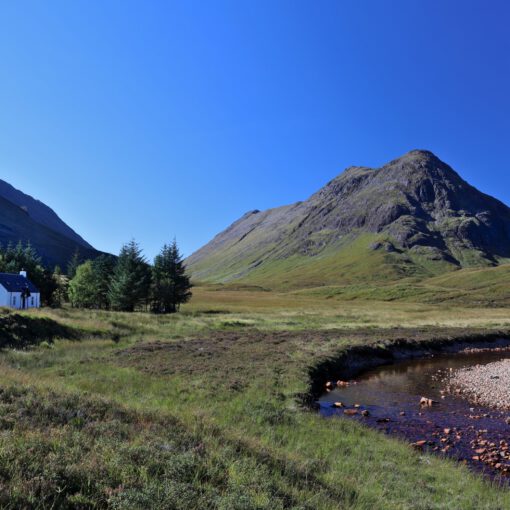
<point>40,212</point>
<point>53,247</point>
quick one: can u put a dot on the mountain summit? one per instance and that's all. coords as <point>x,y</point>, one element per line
<point>415,216</point>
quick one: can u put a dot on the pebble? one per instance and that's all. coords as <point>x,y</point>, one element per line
<point>487,385</point>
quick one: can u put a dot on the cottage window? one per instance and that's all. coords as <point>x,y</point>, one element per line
<point>13,300</point>
<point>32,301</point>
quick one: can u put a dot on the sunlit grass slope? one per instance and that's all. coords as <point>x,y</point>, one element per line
<point>353,260</point>
<point>203,409</point>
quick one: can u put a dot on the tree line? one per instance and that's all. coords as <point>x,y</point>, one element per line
<point>124,283</point>
<point>128,282</point>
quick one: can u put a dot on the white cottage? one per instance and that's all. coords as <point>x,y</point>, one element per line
<point>17,291</point>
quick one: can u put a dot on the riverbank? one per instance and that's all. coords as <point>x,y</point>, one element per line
<point>200,409</point>
<point>487,385</point>
<point>407,400</point>
<point>398,346</point>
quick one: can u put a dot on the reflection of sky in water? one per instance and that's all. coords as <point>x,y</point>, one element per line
<point>404,383</point>
<point>392,394</point>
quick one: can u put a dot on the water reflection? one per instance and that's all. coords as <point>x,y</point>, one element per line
<point>390,397</point>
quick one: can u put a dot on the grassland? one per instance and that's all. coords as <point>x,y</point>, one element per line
<point>203,409</point>
<point>351,260</point>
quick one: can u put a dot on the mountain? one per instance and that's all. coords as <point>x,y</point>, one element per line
<point>40,212</point>
<point>25,219</point>
<point>414,217</point>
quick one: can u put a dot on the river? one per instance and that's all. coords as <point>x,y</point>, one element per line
<point>388,398</point>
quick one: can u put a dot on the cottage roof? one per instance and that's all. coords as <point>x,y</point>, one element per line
<point>16,283</point>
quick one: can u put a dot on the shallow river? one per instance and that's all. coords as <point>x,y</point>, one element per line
<point>453,427</point>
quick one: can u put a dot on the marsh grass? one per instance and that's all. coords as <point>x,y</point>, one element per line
<point>202,410</point>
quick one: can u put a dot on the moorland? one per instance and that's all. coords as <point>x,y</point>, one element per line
<point>209,408</point>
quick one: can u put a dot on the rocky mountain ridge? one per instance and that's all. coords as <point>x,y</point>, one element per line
<point>416,210</point>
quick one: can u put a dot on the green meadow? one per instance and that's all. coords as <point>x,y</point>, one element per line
<point>204,408</point>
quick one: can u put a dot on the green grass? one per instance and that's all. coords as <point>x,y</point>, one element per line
<point>349,260</point>
<point>203,409</point>
<point>346,261</point>
<point>351,268</point>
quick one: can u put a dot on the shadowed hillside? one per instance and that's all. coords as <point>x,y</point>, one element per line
<point>40,212</point>
<point>36,223</point>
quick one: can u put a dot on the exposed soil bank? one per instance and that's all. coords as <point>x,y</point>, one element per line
<point>356,359</point>
<point>391,382</point>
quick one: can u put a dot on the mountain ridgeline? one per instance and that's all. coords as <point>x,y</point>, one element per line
<point>414,217</point>
<point>25,219</point>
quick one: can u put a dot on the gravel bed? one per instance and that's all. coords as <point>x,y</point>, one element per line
<point>487,385</point>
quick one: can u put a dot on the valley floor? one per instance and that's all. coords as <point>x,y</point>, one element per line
<point>203,409</point>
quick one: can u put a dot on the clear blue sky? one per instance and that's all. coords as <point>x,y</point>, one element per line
<point>160,119</point>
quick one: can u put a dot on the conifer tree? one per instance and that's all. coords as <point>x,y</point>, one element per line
<point>103,269</point>
<point>131,280</point>
<point>22,258</point>
<point>73,264</point>
<point>171,285</point>
<point>62,286</point>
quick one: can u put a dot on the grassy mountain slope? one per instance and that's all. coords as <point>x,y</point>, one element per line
<point>412,218</point>
<point>472,287</point>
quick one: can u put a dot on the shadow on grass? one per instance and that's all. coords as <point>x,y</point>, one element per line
<point>21,331</point>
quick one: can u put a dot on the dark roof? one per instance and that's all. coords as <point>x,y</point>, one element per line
<point>16,283</point>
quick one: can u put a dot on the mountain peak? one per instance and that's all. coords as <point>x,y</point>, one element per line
<point>40,212</point>
<point>419,166</point>
<point>419,158</point>
<point>416,204</point>
<point>422,153</point>
<point>414,161</point>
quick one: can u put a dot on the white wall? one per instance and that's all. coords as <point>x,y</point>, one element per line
<point>4,297</point>
<point>13,299</point>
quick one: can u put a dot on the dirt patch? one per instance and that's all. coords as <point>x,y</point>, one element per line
<point>229,358</point>
<point>235,358</point>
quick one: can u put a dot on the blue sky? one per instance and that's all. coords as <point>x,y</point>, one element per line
<point>160,119</point>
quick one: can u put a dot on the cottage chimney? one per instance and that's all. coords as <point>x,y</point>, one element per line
<point>23,273</point>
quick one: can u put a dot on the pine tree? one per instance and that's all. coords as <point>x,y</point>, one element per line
<point>73,264</point>
<point>171,285</point>
<point>103,268</point>
<point>22,258</point>
<point>62,286</point>
<point>131,280</point>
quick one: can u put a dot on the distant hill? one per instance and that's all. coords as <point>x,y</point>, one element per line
<point>415,217</point>
<point>40,212</point>
<point>22,218</point>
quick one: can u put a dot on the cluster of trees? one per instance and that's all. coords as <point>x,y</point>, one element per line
<point>125,283</point>
<point>128,282</point>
